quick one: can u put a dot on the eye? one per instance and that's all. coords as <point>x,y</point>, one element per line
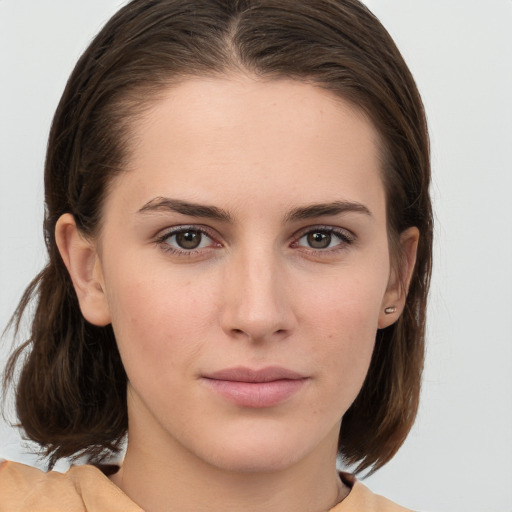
<point>323,238</point>
<point>318,239</point>
<point>190,239</point>
<point>186,239</point>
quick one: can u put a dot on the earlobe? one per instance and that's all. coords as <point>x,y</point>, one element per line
<point>84,266</point>
<point>400,278</point>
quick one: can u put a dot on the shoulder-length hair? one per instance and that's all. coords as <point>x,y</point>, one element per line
<point>71,392</point>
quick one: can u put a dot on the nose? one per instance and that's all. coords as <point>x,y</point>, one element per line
<point>256,301</point>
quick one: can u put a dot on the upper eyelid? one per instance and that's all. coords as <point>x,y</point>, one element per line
<point>323,227</point>
<point>167,232</point>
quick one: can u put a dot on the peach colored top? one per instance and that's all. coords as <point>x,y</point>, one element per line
<point>87,489</point>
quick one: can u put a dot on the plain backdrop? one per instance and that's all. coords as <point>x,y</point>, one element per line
<point>458,455</point>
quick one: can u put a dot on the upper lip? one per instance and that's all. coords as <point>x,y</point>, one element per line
<point>243,374</point>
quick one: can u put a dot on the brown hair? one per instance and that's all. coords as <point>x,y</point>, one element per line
<point>71,393</point>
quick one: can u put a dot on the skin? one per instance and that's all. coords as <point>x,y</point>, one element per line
<point>254,293</point>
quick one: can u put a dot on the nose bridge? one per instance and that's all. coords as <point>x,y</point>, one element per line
<point>256,302</point>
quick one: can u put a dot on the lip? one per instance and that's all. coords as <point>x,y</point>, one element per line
<point>255,388</point>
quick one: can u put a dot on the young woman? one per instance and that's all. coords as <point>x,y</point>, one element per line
<point>239,234</point>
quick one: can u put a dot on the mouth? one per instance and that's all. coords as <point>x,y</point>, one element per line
<point>246,387</point>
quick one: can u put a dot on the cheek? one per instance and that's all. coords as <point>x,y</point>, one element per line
<point>346,305</point>
<point>344,321</point>
<point>159,324</point>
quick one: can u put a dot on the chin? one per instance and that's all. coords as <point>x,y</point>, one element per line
<point>254,461</point>
<point>259,452</point>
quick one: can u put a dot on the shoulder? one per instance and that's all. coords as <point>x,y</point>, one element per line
<point>361,499</point>
<point>82,489</point>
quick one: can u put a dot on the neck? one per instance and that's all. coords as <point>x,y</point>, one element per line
<point>165,477</point>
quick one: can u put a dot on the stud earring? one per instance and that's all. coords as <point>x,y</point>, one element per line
<point>389,310</point>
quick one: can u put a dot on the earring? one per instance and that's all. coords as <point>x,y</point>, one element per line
<point>389,310</point>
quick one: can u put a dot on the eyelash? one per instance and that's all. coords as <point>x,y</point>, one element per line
<point>345,237</point>
<point>165,246</point>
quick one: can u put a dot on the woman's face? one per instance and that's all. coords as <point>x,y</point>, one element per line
<point>245,267</point>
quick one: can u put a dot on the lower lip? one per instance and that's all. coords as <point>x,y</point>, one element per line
<point>256,394</point>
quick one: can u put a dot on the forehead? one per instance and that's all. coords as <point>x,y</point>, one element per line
<point>210,139</point>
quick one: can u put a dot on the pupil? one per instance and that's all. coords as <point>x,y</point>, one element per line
<point>319,240</point>
<point>188,239</point>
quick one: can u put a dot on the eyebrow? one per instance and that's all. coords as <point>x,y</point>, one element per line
<point>185,208</point>
<point>213,212</point>
<point>325,209</point>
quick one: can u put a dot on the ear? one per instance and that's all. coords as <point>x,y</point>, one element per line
<point>400,276</point>
<point>82,261</point>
